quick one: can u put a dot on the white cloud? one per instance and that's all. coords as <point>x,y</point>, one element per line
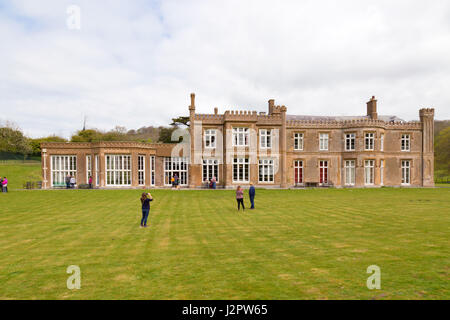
<point>134,63</point>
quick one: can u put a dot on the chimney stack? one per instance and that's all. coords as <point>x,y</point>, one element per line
<point>216,110</point>
<point>372,108</point>
<point>192,106</point>
<point>271,105</point>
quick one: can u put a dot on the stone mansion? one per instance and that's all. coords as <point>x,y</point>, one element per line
<point>269,149</point>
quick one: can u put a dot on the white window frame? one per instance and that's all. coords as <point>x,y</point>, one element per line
<point>88,167</point>
<point>265,138</point>
<point>210,138</point>
<point>210,169</point>
<point>174,165</point>
<point>241,136</point>
<point>350,172</point>
<point>97,170</point>
<point>406,172</point>
<point>350,139</point>
<point>241,170</point>
<point>141,170</point>
<point>369,172</point>
<point>298,141</point>
<point>369,141</point>
<point>118,170</point>
<point>152,170</point>
<point>298,172</point>
<point>266,172</point>
<point>323,164</point>
<point>405,144</point>
<point>324,141</point>
<point>382,142</point>
<point>381,172</point>
<point>60,167</point>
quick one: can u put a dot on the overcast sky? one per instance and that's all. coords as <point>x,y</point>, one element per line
<point>134,63</point>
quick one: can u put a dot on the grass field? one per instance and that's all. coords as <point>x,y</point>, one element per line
<point>19,173</point>
<point>297,244</point>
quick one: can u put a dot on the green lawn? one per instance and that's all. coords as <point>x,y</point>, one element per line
<point>19,173</point>
<point>297,244</point>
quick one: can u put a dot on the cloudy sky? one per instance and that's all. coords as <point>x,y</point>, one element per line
<point>134,63</point>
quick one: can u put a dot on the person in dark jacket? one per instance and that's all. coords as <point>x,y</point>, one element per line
<point>68,181</point>
<point>251,194</point>
<point>145,200</point>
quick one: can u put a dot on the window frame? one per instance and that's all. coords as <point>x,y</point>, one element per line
<point>124,173</point>
<point>349,167</point>
<point>406,169</point>
<point>265,135</point>
<point>327,140</point>
<point>299,139</point>
<point>141,170</point>
<point>351,139</point>
<point>267,166</point>
<point>88,167</point>
<point>208,163</point>
<point>371,169</point>
<point>298,172</point>
<point>405,142</point>
<point>245,162</point>
<point>323,172</point>
<point>67,164</point>
<point>210,138</point>
<point>178,165</point>
<point>369,136</point>
<point>237,133</point>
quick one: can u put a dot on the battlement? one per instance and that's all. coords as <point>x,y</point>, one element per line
<point>355,123</point>
<point>426,112</point>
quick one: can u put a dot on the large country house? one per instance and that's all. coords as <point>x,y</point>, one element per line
<point>272,149</point>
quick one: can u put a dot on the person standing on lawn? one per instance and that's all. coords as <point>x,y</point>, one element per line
<point>251,194</point>
<point>240,198</point>
<point>5,185</point>
<point>145,201</point>
<point>68,181</point>
<point>90,182</point>
<point>1,184</point>
<point>73,182</point>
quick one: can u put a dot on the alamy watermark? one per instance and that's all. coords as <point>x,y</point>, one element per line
<point>73,20</point>
<point>74,280</point>
<point>374,281</point>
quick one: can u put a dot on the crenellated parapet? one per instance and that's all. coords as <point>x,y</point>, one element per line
<point>104,144</point>
<point>241,115</point>
<point>426,112</point>
<point>355,123</point>
<point>209,118</point>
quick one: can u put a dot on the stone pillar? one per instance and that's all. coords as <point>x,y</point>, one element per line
<point>427,120</point>
<point>192,166</point>
<point>283,147</point>
<point>45,170</point>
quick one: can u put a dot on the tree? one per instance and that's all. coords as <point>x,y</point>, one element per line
<point>12,140</point>
<point>180,121</point>
<point>89,135</point>
<point>36,143</point>
<point>165,134</point>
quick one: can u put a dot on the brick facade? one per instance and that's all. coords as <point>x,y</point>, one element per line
<point>383,150</point>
